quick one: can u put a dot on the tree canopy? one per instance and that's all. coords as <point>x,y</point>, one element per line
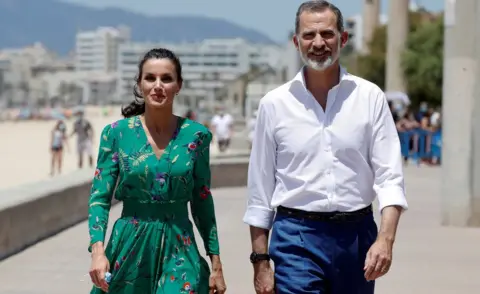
<point>422,61</point>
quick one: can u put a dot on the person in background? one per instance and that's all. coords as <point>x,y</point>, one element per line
<point>83,128</point>
<point>394,112</point>
<point>422,111</point>
<point>324,147</point>
<point>405,125</point>
<point>407,122</point>
<point>425,121</point>
<point>435,117</point>
<point>161,162</point>
<point>436,140</point>
<point>191,115</point>
<point>57,143</point>
<point>222,128</point>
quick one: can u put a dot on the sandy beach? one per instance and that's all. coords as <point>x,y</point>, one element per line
<point>25,149</point>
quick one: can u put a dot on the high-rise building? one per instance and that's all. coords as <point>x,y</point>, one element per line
<point>207,65</point>
<point>354,27</point>
<point>18,70</point>
<point>98,50</point>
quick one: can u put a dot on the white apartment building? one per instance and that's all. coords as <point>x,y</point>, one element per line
<point>206,65</point>
<point>354,26</point>
<point>17,77</point>
<point>98,50</point>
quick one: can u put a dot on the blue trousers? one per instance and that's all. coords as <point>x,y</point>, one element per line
<point>312,256</point>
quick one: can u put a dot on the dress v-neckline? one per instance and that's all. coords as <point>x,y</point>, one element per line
<point>172,138</point>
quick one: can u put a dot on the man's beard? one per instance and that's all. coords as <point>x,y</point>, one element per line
<point>321,65</point>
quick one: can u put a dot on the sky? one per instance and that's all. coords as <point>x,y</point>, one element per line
<point>275,18</point>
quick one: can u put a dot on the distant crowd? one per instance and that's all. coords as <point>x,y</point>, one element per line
<point>419,131</point>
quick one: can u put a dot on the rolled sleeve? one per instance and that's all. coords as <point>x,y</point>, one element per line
<point>261,172</point>
<point>391,196</point>
<point>386,158</point>
<point>259,217</point>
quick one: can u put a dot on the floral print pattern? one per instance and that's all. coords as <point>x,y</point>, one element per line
<point>152,248</point>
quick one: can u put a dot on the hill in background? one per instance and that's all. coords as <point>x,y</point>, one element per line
<point>53,23</point>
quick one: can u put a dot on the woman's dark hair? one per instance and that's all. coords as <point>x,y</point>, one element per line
<point>137,106</point>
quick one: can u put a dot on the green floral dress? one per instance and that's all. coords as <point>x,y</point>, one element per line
<point>152,248</point>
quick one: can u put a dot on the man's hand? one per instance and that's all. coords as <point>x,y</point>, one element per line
<point>379,259</point>
<point>263,278</point>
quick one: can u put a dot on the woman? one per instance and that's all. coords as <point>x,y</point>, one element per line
<point>161,162</point>
<point>57,141</point>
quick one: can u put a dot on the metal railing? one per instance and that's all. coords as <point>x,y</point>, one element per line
<point>420,145</point>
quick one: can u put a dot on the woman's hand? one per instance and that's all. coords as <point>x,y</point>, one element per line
<point>217,282</point>
<point>99,267</point>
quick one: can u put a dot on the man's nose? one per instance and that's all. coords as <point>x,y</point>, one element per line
<point>318,41</point>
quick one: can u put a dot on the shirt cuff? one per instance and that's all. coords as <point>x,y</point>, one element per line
<point>259,217</point>
<point>391,196</point>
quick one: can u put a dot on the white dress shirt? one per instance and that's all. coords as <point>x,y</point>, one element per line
<point>334,160</point>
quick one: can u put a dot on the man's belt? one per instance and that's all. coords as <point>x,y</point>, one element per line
<point>335,216</point>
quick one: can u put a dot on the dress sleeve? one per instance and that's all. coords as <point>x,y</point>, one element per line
<point>202,206</point>
<point>103,185</point>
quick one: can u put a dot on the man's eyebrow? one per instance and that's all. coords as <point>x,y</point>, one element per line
<point>309,31</point>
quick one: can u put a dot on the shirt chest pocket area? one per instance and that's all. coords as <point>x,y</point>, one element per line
<point>295,138</point>
<point>349,133</point>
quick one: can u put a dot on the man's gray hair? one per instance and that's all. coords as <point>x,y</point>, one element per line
<point>319,6</point>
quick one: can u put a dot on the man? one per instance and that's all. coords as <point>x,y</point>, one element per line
<point>222,127</point>
<point>84,131</point>
<point>325,144</point>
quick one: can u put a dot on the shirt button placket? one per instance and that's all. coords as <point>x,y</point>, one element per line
<point>329,173</point>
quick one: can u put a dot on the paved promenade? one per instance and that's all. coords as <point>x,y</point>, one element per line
<point>427,258</point>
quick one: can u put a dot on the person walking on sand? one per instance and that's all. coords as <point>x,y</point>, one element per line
<point>57,143</point>
<point>83,128</point>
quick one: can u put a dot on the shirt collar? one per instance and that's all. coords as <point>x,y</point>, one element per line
<point>300,77</point>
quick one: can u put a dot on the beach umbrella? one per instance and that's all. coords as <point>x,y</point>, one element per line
<point>397,96</point>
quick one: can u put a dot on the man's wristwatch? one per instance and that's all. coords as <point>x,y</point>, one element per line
<point>256,257</point>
